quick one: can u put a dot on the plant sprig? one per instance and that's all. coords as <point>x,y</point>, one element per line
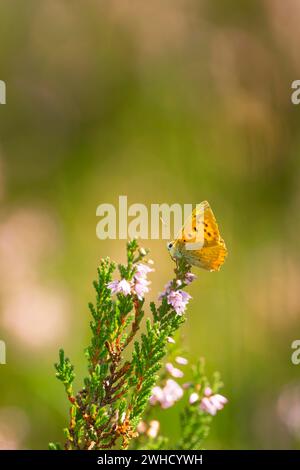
<point>105,412</point>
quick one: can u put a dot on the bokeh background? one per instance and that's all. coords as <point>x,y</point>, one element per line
<point>163,101</point>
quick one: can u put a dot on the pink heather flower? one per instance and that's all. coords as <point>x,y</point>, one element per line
<point>113,286</point>
<point>141,288</point>
<point>218,401</point>
<point>153,428</point>
<point>157,395</point>
<point>142,270</point>
<point>207,406</point>
<point>171,340</point>
<point>181,360</point>
<point>168,395</point>
<point>166,290</point>
<point>177,373</point>
<point>140,280</point>
<point>208,391</point>
<point>124,287</point>
<point>178,300</point>
<point>193,398</point>
<point>118,287</point>
<point>141,427</point>
<point>172,393</point>
<point>212,403</point>
<point>189,278</point>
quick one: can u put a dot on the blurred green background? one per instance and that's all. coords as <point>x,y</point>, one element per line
<point>163,101</point>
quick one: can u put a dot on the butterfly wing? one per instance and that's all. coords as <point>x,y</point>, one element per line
<point>199,241</point>
<point>210,258</point>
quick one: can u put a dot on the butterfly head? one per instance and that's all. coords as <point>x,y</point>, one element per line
<point>171,248</point>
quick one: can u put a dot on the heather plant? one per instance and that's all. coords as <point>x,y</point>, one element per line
<point>126,381</point>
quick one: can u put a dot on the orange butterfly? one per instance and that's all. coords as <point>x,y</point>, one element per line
<point>199,242</point>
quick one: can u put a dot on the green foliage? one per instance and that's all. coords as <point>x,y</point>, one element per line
<point>106,411</point>
<point>65,372</point>
<point>194,422</point>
